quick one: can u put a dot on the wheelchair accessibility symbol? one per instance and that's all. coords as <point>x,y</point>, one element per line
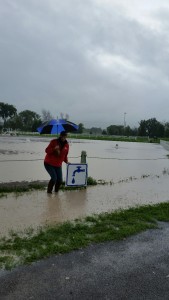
<point>76,175</point>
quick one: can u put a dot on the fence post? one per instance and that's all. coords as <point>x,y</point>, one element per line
<point>83,157</point>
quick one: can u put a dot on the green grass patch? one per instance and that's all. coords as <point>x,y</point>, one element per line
<point>20,189</point>
<point>28,186</point>
<point>29,246</point>
<point>87,136</point>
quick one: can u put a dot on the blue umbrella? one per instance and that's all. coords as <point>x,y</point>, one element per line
<point>56,126</point>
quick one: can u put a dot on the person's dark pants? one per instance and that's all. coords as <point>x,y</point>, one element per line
<point>56,177</point>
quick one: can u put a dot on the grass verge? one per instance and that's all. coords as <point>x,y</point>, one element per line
<point>30,245</point>
<point>24,186</point>
<point>20,187</point>
<point>88,136</point>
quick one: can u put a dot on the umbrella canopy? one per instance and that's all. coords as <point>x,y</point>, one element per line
<point>56,126</point>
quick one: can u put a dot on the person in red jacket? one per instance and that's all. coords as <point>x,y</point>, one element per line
<point>56,154</point>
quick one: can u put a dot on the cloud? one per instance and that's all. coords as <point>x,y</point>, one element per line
<point>91,59</point>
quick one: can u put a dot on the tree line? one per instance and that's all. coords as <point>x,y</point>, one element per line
<point>28,121</point>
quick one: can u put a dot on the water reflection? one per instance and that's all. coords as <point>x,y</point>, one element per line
<point>65,206</point>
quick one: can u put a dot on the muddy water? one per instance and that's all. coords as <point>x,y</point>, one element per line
<point>139,174</point>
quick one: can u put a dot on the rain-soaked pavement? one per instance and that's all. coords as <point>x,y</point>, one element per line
<point>135,268</point>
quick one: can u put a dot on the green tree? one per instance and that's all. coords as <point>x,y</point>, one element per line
<point>155,128</point>
<point>104,132</point>
<point>151,128</point>
<point>134,131</point>
<point>30,120</point>
<point>166,129</point>
<point>81,128</point>
<point>115,130</point>
<point>142,130</point>
<point>14,123</point>
<point>127,131</point>
<point>7,111</point>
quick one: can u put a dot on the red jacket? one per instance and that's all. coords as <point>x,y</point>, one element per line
<point>52,157</point>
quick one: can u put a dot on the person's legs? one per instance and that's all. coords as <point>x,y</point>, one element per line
<point>51,171</point>
<point>50,186</point>
<point>58,183</point>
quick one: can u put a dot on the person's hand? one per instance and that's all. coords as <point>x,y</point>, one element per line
<point>57,151</point>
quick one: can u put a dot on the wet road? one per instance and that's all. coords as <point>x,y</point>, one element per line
<point>136,268</point>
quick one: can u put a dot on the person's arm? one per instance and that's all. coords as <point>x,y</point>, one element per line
<point>66,155</point>
<point>52,147</point>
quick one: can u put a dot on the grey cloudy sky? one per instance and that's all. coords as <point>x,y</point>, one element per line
<point>92,59</point>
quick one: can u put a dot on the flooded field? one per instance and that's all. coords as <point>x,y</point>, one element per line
<point>136,174</point>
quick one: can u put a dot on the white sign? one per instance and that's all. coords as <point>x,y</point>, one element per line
<point>76,175</point>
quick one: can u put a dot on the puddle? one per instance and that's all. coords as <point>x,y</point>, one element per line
<point>33,209</point>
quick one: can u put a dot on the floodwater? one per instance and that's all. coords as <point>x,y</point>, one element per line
<point>136,173</point>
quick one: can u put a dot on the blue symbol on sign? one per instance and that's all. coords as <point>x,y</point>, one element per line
<point>78,170</point>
